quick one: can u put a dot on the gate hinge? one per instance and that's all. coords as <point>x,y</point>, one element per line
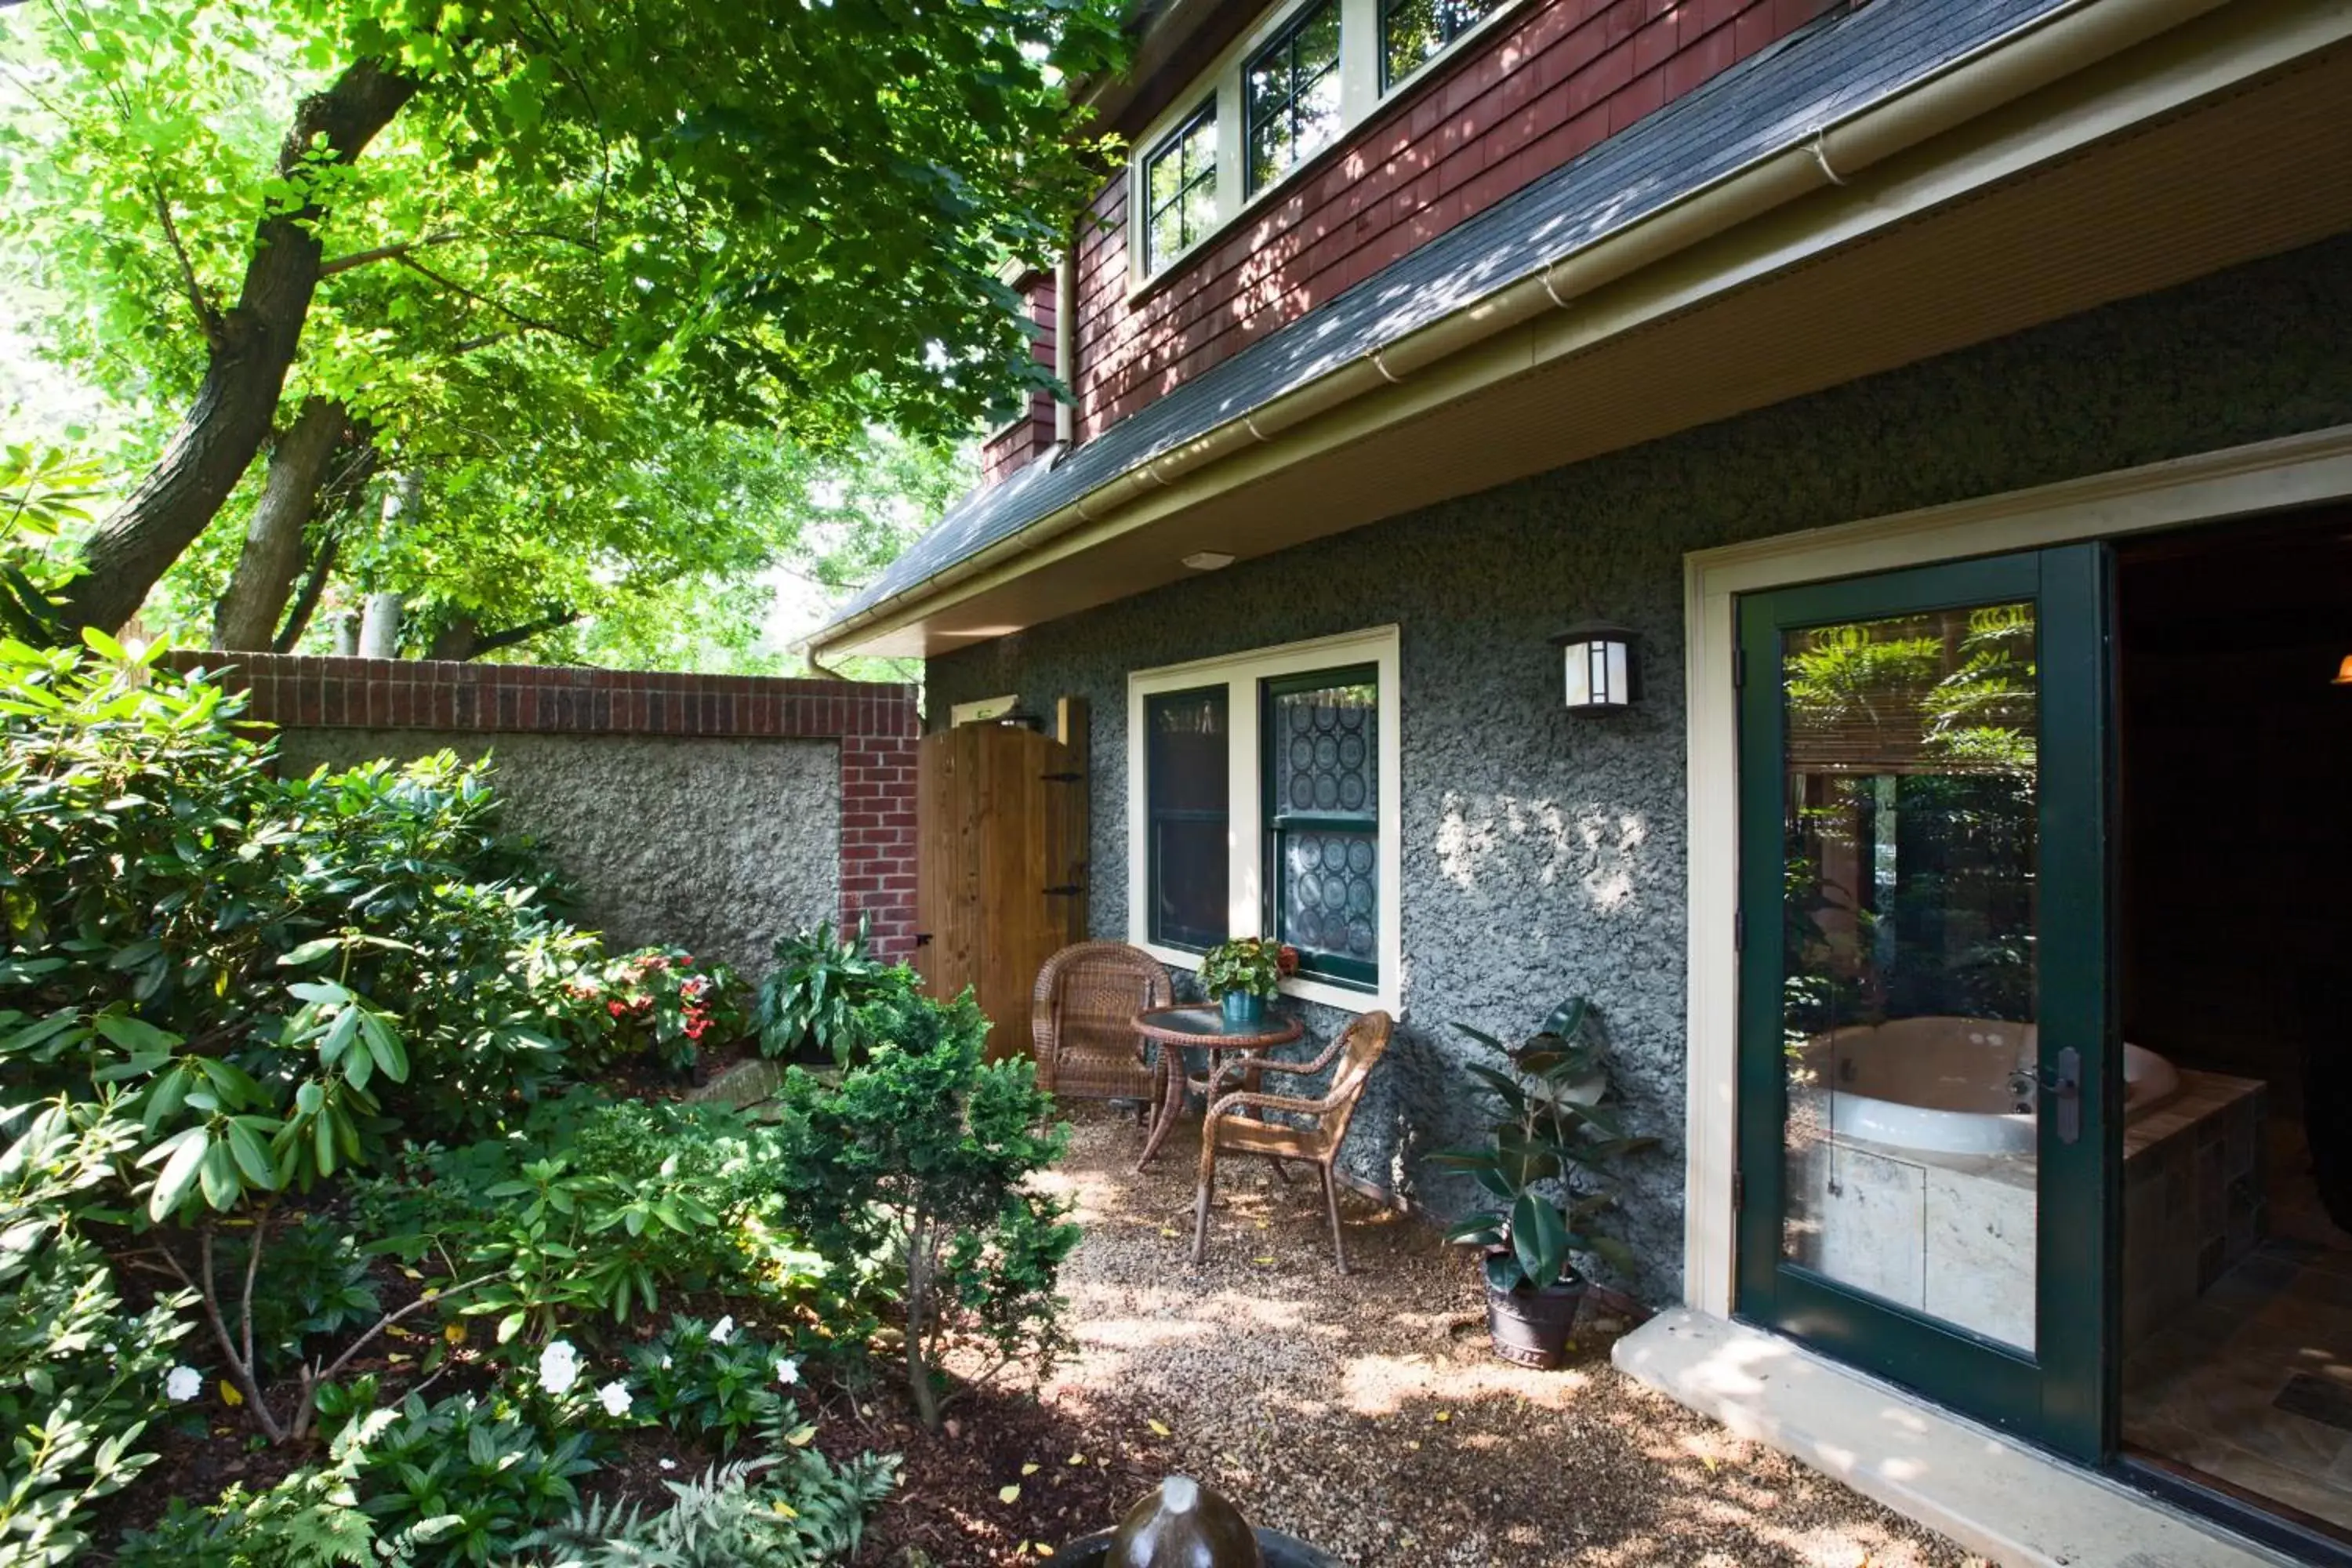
<point>1062,778</point>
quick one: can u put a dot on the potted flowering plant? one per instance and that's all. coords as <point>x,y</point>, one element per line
<point>1537,1166</point>
<point>1241,975</point>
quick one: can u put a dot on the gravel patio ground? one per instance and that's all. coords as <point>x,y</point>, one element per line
<point>1368,1414</point>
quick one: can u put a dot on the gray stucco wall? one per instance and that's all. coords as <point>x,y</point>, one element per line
<point>1544,856</point>
<point>717,845</point>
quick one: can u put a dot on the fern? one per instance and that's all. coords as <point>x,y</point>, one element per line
<point>809,1512</point>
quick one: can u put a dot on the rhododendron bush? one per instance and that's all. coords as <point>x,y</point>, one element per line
<point>311,1141</point>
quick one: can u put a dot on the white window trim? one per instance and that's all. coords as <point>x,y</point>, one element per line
<point>1361,99</point>
<point>981,711</point>
<point>1240,674</point>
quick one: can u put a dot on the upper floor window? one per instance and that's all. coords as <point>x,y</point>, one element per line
<point>1414,32</point>
<point>1292,88</point>
<point>1180,186</point>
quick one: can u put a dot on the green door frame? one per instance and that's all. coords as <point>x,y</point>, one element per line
<point>2062,1393</point>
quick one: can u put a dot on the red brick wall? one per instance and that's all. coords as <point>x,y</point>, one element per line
<point>1031,438</point>
<point>876,725</point>
<point>1518,104</point>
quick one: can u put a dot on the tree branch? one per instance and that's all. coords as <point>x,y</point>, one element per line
<point>312,1377</point>
<point>522,633</point>
<point>208,316</point>
<point>384,252</point>
<point>486,303</point>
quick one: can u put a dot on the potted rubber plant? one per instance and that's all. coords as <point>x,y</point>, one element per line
<point>1243,974</point>
<point>1537,1166</point>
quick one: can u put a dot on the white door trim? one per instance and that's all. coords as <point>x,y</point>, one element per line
<point>2268,476</point>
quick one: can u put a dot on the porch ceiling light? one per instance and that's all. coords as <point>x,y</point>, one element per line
<point>1208,560</point>
<point>2343,672</point>
<point>1603,675</point>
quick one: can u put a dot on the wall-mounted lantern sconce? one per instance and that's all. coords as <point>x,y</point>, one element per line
<point>1603,675</point>
<point>2343,672</point>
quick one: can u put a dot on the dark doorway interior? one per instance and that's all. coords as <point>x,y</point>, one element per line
<point>2235,967</point>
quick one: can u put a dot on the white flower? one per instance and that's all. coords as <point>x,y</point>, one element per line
<point>664,1363</point>
<point>183,1384</point>
<point>559,1367</point>
<point>788,1373</point>
<point>615,1397</point>
<point>670,1464</point>
<point>722,1331</point>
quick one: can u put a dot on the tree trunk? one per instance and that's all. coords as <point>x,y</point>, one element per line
<point>305,601</point>
<point>380,626</point>
<point>456,640</point>
<point>249,608</point>
<point>249,350</point>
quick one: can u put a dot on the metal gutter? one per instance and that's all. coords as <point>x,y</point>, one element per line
<point>1999,72</point>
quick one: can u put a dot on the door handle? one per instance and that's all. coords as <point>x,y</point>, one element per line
<point>2065,1087</point>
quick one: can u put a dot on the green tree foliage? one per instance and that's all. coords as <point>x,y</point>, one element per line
<point>459,222</point>
<point>921,1156</point>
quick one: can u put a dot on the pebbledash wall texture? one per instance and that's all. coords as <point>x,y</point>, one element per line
<point>1544,856</point>
<point>713,811</point>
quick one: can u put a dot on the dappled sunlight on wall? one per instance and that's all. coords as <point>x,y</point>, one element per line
<point>1595,849</point>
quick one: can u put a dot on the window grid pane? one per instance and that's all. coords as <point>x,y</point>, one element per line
<point>1181,187</point>
<point>1319,752</point>
<point>1413,32</point>
<point>1186,799</point>
<point>1291,95</point>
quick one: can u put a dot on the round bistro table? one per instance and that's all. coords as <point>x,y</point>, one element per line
<point>1199,1027</point>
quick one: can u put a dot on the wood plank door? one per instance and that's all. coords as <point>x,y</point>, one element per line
<point>999,881</point>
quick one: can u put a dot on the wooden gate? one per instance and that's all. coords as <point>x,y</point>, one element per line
<point>1001,881</point>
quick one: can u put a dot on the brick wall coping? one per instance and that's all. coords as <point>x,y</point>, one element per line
<point>305,692</point>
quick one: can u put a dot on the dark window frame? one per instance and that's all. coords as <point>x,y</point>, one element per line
<point>1286,42</point>
<point>1188,180</point>
<point>1154,814</point>
<point>1452,27</point>
<point>1331,968</point>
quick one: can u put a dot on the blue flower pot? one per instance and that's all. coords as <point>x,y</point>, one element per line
<point>1242,1007</point>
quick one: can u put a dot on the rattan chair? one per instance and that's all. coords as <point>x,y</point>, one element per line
<point>1082,1021</point>
<point>1357,1050</point>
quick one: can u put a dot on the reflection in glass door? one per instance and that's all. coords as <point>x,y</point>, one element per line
<point>1921,1141</point>
<point>1907,1011</point>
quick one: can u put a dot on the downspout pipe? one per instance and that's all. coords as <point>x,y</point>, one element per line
<point>2064,41</point>
<point>1065,343</point>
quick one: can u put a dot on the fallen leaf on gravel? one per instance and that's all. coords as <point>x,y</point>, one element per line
<point>1264,1260</point>
<point>1166,1230</point>
<point>1159,1429</point>
<point>1041,1549</point>
<point>1077,1459</point>
<point>1028,1469</point>
<point>1008,1494</point>
<point>1442,1415</point>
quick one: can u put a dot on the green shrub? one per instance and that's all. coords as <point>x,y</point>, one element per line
<point>81,1377</point>
<point>719,1382</point>
<point>811,1000</point>
<point>467,1473</point>
<point>659,1001</point>
<point>920,1157</point>
<point>793,1509</point>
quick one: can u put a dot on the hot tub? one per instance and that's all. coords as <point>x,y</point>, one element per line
<point>1950,1085</point>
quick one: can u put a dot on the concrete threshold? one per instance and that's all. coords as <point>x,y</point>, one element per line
<point>1994,1497</point>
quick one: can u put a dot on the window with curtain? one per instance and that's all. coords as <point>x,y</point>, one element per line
<point>1186,789</point>
<point>1318,750</point>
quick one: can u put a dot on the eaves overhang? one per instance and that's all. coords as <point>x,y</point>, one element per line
<point>1719,216</point>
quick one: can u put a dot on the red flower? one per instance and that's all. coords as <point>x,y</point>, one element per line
<point>616,1008</point>
<point>1286,959</point>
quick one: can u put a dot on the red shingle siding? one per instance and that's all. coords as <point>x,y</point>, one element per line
<point>1029,438</point>
<point>877,726</point>
<point>1520,102</point>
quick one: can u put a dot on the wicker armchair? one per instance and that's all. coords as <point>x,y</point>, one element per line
<point>1082,1023</point>
<point>1357,1050</point>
